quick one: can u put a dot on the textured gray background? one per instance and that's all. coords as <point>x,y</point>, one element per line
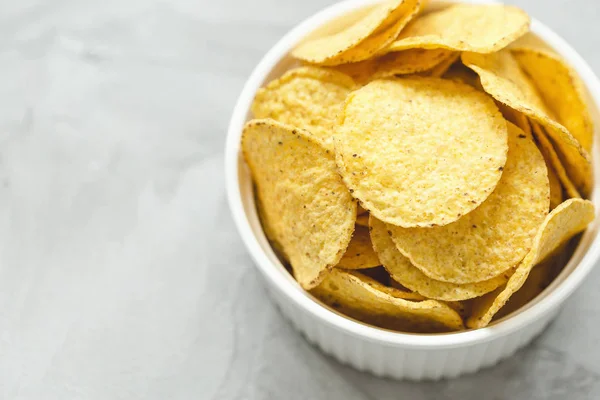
<point>121,273</point>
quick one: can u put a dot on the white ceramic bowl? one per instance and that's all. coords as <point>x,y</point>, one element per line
<point>383,352</point>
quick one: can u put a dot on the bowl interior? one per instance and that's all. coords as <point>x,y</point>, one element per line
<point>241,196</point>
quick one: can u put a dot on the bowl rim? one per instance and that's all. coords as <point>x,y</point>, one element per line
<point>304,300</point>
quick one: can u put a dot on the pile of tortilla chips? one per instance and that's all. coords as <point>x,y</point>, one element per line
<point>423,170</point>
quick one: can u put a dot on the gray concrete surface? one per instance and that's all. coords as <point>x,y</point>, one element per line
<point>121,273</point>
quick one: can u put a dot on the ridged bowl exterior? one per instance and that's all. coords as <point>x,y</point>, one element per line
<point>399,362</point>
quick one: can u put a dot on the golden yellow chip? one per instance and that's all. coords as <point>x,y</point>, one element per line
<point>515,117</point>
<point>401,270</point>
<point>502,78</point>
<point>556,192</point>
<point>439,70</point>
<point>413,160</point>
<point>530,41</point>
<point>539,278</point>
<point>362,39</point>
<point>269,233</point>
<point>396,63</point>
<point>561,89</point>
<point>363,220</point>
<point>360,253</point>
<point>519,119</point>
<point>566,220</point>
<point>367,300</point>
<point>306,207</point>
<point>495,236</point>
<point>482,28</point>
<point>307,97</point>
<point>554,162</point>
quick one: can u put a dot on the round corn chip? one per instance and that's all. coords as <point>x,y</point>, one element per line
<point>566,220</point>
<point>307,97</point>
<point>360,253</point>
<point>519,119</point>
<point>561,89</point>
<point>365,37</point>
<point>396,63</point>
<point>367,300</point>
<point>307,208</point>
<point>495,236</point>
<point>482,28</point>
<point>401,270</point>
<point>414,161</point>
<point>554,163</point>
<point>502,78</point>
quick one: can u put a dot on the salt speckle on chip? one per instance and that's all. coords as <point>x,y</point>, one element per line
<point>305,204</point>
<point>483,28</point>
<point>402,271</point>
<point>411,159</point>
<point>307,97</point>
<point>566,220</point>
<point>496,235</point>
<point>503,79</point>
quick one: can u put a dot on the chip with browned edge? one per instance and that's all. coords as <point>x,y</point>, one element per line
<point>560,87</point>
